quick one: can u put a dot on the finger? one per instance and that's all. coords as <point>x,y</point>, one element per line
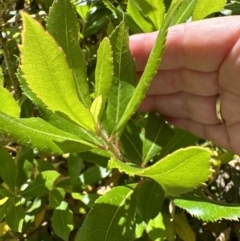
<point>183,105</point>
<point>230,108</point>
<point>200,46</point>
<point>230,71</point>
<point>216,133</point>
<point>191,81</point>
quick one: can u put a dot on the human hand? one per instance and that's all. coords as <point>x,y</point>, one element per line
<point>201,61</point>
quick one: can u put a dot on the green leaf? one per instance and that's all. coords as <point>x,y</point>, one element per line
<point>8,170</point>
<point>150,200</point>
<point>62,24</point>
<point>54,84</point>
<point>198,205</point>
<point>42,185</point>
<point>96,109</point>
<point>184,12</point>
<point>4,207</point>
<point>157,134</point>
<point>131,143</point>
<point>75,165</point>
<point>5,192</point>
<point>190,165</point>
<point>8,104</point>
<point>183,228</point>
<point>43,165</point>
<point>180,139</point>
<point>205,7</point>
<point>111,218</point>
<point>149,71</point>
<point>37,133</point>
<point>62,221</point>
<point>136,14</point>
<point>56,196</point>
<point>70,127</point>
<point>104,70</point>
<point>25,167</point>
<point>96,156</point>
<point>93,175</point>
<point>156,228</point>
<point>154,10</point>
<point>83,10</point>
<point>15,216</point>
<point>124,80</point>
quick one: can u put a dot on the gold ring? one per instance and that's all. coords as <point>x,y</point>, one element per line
<point>218,110</point>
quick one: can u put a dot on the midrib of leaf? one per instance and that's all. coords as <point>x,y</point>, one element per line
<point>139,154</point>
<point>120,206</point>
<point>185,10</point>
<point>179,140</point>
<point>153,144</point>
<point>39,185</point>
<point>169,170</point>
<point>36,130</point>
<point>53,79</point>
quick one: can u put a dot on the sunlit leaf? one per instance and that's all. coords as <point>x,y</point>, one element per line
<point>35,132</point>
<point>177,173</point>
<point>113,215</point>
<point>62,24</point>
<point>205,7</point>
<point>96,108</point>
<point>62,221</point>
<point>150,69</point>
<point>56,196</point>
<point>150,200</point>
<point>198,205</point>
<point>136,14</point>
<point>104,70</point>
<point>124,81</point>
<point>15,216</point>
<point>184,12</point>
<point>8,104</point>
<point>54,84</point>
<point>42,185</point>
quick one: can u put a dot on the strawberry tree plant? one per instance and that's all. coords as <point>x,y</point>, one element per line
<point>88,121</point>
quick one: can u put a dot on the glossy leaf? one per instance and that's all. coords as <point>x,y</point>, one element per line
<point>8,170</point>
<point>150,69</point>
<point>205,7</point>
<point>54,84</point>
<point>184,12</point>
<point>62,24</point>
<point>157,134</point>
<point>190,165</point>
<point>8,104</point>
<point>96,109</point>
<point>42,185</point>
<point>154,10</point>
<point>37,133</point>
<point>1,78</point>
<point>4,207</point>
<point>104,70</point>
<point>124,81</point>
<point>56,196</point>
<point>198,205</point>
<point>156,228</point>
<point>63,221</point>
<point>111,218</point>
<point>135,11</point>
<point>150,200</point>
<point>131,143</point>
<point>15,216</point>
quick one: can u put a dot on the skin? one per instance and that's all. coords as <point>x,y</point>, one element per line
<point>201,61</point>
